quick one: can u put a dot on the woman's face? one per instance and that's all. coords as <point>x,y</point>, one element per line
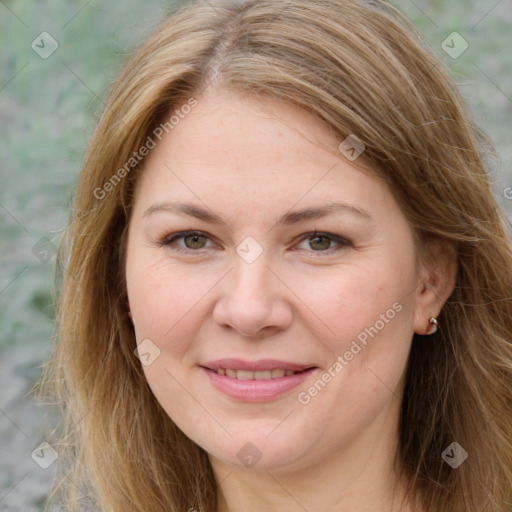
<point>254,289</point>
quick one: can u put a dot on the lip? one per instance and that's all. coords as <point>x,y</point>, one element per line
<point>255,366</point>
<point>257,390</point>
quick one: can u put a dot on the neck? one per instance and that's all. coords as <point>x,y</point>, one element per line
<point>358,477</point>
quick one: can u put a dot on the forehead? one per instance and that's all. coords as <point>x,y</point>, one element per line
<point>241,127</point>
<point>232,150</point>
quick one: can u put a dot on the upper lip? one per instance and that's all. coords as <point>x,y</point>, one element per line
<point>261,365</point>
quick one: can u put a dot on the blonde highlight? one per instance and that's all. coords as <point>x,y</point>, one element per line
<point>119,446</point>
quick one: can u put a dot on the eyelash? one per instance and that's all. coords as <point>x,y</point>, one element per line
<point>170,239</point>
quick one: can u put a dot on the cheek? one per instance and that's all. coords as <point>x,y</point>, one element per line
<point>376,309</point>
<point>163,298</point>
<point>369,312</point>
<point>350,299</point>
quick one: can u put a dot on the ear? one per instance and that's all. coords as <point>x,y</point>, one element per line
<point>438,273</point>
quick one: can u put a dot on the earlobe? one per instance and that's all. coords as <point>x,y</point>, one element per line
<point>438,283</point>
<point>434,327</point>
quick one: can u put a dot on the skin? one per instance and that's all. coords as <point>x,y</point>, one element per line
<point>250,161</point>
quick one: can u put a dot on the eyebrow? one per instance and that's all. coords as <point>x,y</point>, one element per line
<point>287,219</point>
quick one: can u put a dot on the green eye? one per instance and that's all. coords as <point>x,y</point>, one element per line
<point>195,241</point>
<point>322,241</point>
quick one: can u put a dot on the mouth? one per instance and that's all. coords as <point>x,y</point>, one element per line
<point>256,382</point>
<point>276,373</point>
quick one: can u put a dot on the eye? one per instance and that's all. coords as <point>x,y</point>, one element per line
<point>321,242</point>
<point>194,240</point>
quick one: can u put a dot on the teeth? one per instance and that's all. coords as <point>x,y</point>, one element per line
<point>244,375</point>
<point>262,375</point>
<point>259,375</point>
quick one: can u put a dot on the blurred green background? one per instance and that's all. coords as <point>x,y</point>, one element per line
<point>48,108</point>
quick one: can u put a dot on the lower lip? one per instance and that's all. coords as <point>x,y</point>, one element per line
<point>256,390</point>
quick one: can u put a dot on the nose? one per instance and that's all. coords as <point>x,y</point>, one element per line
<point>254,301</point>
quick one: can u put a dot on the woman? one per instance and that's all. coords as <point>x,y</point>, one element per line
<point>287,283</point>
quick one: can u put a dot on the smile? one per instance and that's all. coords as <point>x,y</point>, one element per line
<point>255,386</point>
<point>259,375</point>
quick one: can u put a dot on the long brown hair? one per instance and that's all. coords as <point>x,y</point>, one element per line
<point>362,69</point>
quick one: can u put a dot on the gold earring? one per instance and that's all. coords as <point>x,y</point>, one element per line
<point>434,323</point>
